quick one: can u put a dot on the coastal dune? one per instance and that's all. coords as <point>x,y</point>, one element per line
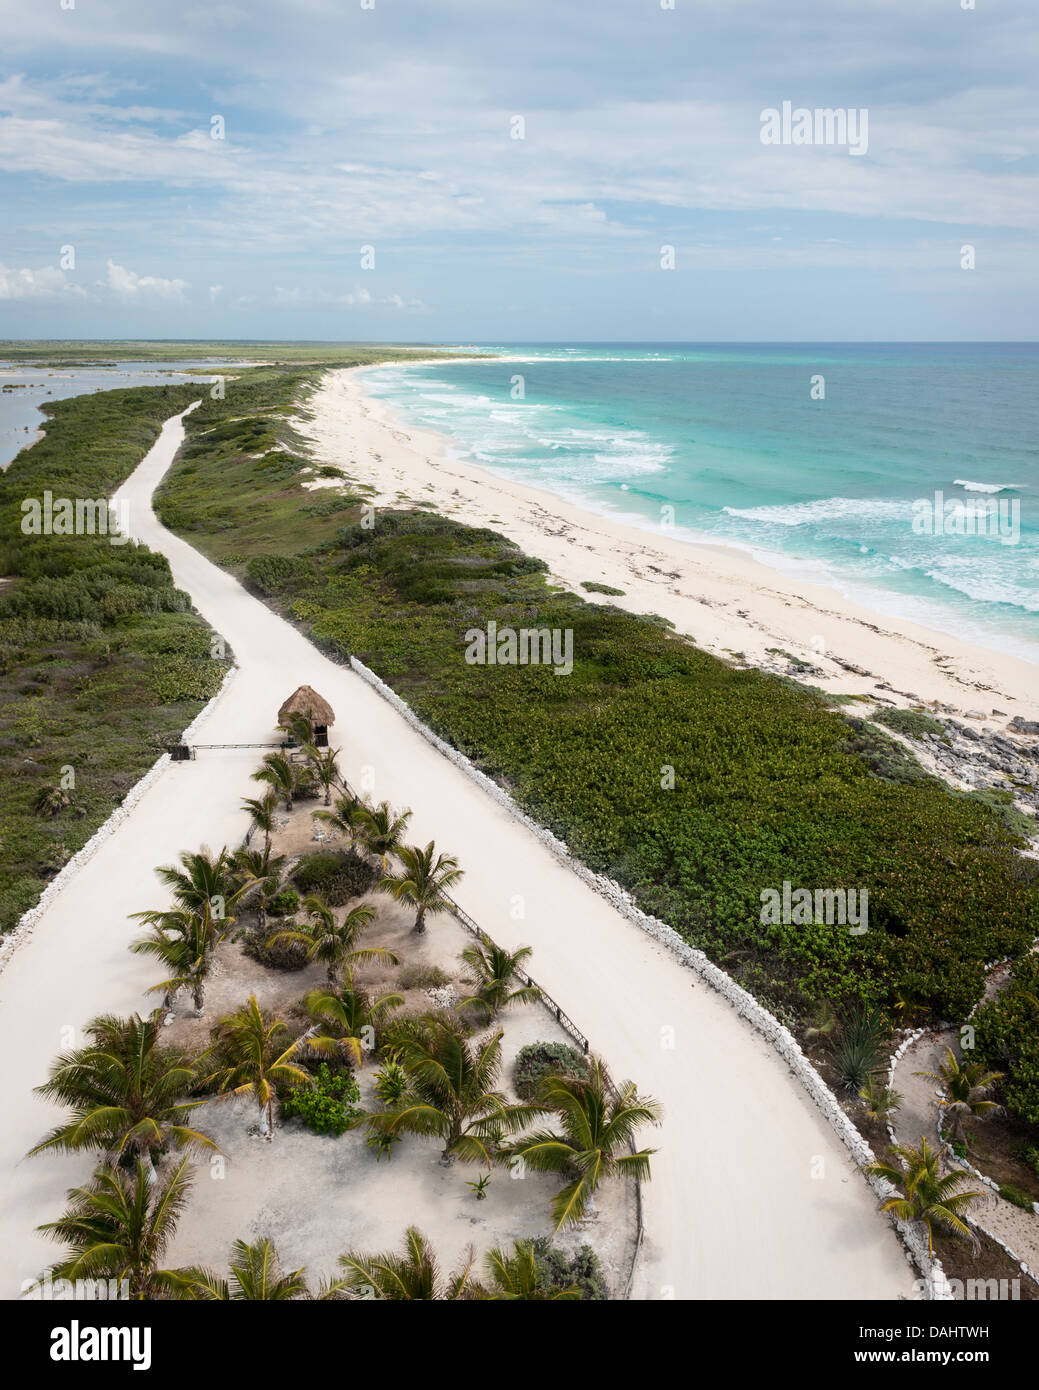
<point>752,1195</point>
<point>730,603</point>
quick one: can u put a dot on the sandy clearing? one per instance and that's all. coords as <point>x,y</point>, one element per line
<point>737,1207</point>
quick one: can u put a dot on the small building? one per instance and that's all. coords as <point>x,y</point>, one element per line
<point>316,710</point>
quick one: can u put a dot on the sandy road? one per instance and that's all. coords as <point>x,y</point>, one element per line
<point>736,1207</point>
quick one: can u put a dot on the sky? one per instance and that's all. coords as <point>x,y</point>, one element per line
<point>494,171</point>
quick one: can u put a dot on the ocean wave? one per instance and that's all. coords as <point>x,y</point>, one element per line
<point>969,486</point>
<point>982,581</point>
<point>826,509</point>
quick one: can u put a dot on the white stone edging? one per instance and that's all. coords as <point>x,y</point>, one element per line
<point>935,1286</point>
<point>23,928</point>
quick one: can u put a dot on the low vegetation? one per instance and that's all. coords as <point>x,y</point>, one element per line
<point>101,658</point>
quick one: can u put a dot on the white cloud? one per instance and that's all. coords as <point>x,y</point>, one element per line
<point>127,284</point>
<point>215,291</point>
<point>46,283</point>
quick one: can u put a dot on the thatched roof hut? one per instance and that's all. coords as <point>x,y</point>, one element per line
<point>310,704</point>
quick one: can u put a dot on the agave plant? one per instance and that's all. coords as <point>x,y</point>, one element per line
<point>857,1047</point>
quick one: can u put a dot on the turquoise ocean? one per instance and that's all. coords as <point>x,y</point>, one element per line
<point>732,440</point>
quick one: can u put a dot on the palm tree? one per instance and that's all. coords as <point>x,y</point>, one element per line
<point>256,1276</point>
<point>926,1196</point>
<point>879,1102</point>
<point>423,881</point>
<point>597,1122</point>
<point>252,1061</point>
<point>262,809</point>
<point>119,1228</point>
<point>51,801</point>
<point>342,818</point>
<point>326,769</point>
<point>127,1094</point>
<point>517,1276</point>
<point>343,1015</point>
<point>202,879</point>
<point>300,729</point>
<point>184,941</point>
<point>494,968</point>
<point>260,876</point>
<point>452,1094</point>
<point>966,1085</point>
<point>413,1275</point>
<point>380,829</point>
<point>278,772</point>
<point>334,942</point>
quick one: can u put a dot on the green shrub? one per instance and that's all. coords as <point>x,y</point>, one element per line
<point>909,722</point>
<point>541,1059</point>
<point>1014,1194</point>
<point>559,1271</point>
<point>1006,1038</point>
<point>284,903</point>
<point>329,1106</point>
<point>594,587</point>
<point>422,977</point>
<point>1030,1156</point>
<point>338,876</point>
<point>276,955</point>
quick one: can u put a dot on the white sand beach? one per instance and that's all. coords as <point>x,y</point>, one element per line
<point>752,1194</point>
<point>721,596</point>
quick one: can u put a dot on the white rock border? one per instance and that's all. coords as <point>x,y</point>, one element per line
<point>23,928</point>
<point>934,1281</point>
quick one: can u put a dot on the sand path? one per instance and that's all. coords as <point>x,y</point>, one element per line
<point>752,1195</point>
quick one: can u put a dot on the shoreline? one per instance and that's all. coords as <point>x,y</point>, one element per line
<point>730,603</point>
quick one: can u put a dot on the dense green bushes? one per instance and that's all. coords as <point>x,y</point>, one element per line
<point>330,1105</point>
<point>1007,1038</point>
<point>336,876</point>
<point>538,1060</point>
